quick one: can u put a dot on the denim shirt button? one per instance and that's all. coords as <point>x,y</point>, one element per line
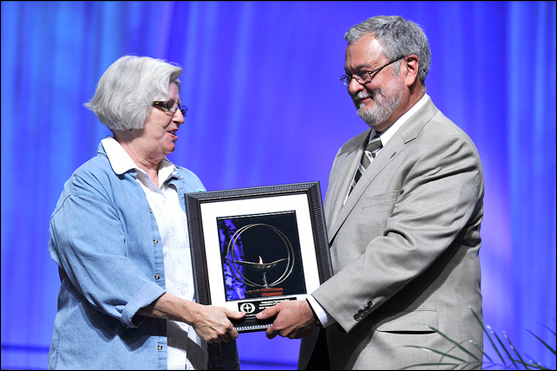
<point>151,211</point>
<point>155,241</point>
<point>159,347</point>
<point>157,276</point>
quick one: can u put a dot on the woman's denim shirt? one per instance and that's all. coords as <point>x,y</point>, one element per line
<point>105,240</point>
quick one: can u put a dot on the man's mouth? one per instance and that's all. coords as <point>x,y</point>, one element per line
<point>361,97</point>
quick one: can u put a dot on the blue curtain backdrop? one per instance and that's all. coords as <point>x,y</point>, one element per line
<point>261,80</point>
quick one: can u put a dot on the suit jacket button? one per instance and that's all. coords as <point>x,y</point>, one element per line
<point>356,317</point>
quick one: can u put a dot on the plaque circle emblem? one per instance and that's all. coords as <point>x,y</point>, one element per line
<point>261,266</point>
<point>247,307</point>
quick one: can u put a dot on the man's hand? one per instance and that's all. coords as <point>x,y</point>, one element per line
<point>294,319</point>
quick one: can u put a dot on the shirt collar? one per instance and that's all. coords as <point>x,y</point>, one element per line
<point>121,161</point>
<point>391,130</point>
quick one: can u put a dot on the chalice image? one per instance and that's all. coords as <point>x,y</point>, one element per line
<point>261,287</point>
<point>260,267</point>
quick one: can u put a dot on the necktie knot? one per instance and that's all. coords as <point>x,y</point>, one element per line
<point>370,152</point>
<point>374,145</point>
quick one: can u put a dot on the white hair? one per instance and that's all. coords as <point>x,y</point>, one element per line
<point>127,89</point>
<point>398,37</point>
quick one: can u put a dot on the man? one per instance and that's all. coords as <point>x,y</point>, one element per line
<point>403,220</point>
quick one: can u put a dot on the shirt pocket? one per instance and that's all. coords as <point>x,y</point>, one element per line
<point>415,322</point>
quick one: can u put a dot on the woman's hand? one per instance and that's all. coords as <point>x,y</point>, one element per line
<point>210,322</point>
<point>213,324</point>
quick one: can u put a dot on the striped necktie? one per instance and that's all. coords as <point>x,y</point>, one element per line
<point>370,152</point>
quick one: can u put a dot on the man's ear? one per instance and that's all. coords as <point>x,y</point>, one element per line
<point>412,64</point>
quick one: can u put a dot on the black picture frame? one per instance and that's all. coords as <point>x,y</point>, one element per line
<point>255,247</point>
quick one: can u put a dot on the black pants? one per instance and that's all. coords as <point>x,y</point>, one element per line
<point>320,357</point>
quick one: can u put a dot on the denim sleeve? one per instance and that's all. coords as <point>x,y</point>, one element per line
<point>88,241</point>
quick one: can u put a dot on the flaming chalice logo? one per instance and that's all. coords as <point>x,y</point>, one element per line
<point>260,267</point>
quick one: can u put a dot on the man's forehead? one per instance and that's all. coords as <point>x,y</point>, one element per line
<point>366,52</point>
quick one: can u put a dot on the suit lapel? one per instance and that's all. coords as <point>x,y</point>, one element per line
<point>408,132</point>
<point>394,146</point>
<point>346,163</point>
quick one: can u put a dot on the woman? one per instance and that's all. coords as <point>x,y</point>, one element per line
<point>119,237</point>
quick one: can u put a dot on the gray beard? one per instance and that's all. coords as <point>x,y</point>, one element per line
<point>383,108</point>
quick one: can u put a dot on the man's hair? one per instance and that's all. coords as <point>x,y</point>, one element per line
<point>398,37</point>
<point>127,89</point>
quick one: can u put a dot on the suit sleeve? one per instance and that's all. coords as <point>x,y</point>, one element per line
<point>439,192</point>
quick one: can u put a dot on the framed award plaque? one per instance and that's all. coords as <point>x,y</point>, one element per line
<point>255,247</point>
